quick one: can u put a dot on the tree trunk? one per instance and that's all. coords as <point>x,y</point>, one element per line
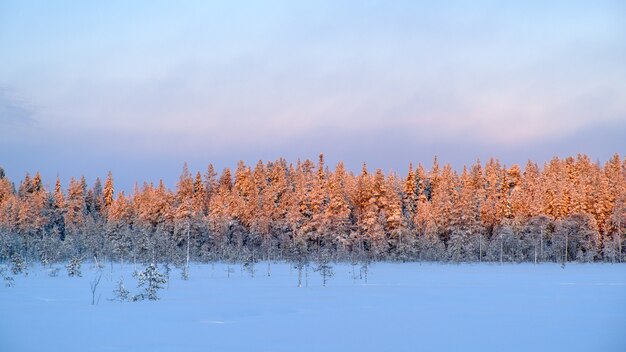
<point>480,248</point>
<point>400,248</point>
<point>188,239</point>
<point>619,240</point>
<point>45,246</point>
<point>535,252</point>
<point>353,277</point>
<point>154,253</point>
<point>269,259</point>
<point>501,248</point>
<point>565,254</point>
<point>541,244</point>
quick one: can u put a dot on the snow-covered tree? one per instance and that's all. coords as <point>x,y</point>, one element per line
<point>324,266</point>
<point>151,280</point>
<point>120,293</point>
<point>109,190</point>
<point>185,214</point>
<point>73,267</point>
<point>18,264</point>
<point>575,238</point>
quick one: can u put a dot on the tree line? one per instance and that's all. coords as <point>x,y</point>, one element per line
<point>569,209</point>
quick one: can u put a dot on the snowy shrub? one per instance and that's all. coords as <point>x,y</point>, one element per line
<point>120,293</point>
<point>93,285</point>
<point>54,272</point>
<point>249,264</point>
<point>324,267</point>
<point>18,265</point>
<point>326,270</point>
<point>73,267</point>
<point>152,281</point>
<point>8,280</point>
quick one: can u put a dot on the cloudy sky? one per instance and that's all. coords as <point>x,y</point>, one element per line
<point>141,87</point>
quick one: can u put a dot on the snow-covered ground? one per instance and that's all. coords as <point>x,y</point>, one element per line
<point>403,307</point>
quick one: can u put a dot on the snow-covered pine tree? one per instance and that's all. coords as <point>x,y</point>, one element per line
<point>94,201</point>
<point>184,215</point>
<point>151,280</point>
<point>73,267</point>
<point>337,214</point>
<point>299,256</point>
<point>410,197</point>
<point>422,218</point>
<point>489,206</point>
<point>535,231</point>
<point>18,264</point>
<point>249,262</point>
<point>120,293</point>
<point>471,203</point>
<point>613,249</point>
<point>324,266</point>
<point>396,227</point>
<point>76,206</point>
<point>57,213</point>
<point>459,244</point>
<point>260,227</point>
<point>119,217</point>
<point>31,215</point>
<point>109,190</point>
<point>444,194</point>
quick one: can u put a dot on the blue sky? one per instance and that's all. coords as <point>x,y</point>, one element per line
<point>141,87</point>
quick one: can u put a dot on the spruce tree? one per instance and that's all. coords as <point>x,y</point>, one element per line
<point>151,280</point>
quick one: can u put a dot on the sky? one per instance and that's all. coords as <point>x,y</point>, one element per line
<point>140,87</point>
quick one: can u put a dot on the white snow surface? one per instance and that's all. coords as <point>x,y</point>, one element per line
<point>402,307</point>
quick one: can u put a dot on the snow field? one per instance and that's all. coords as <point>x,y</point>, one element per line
<point>402,307</point>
